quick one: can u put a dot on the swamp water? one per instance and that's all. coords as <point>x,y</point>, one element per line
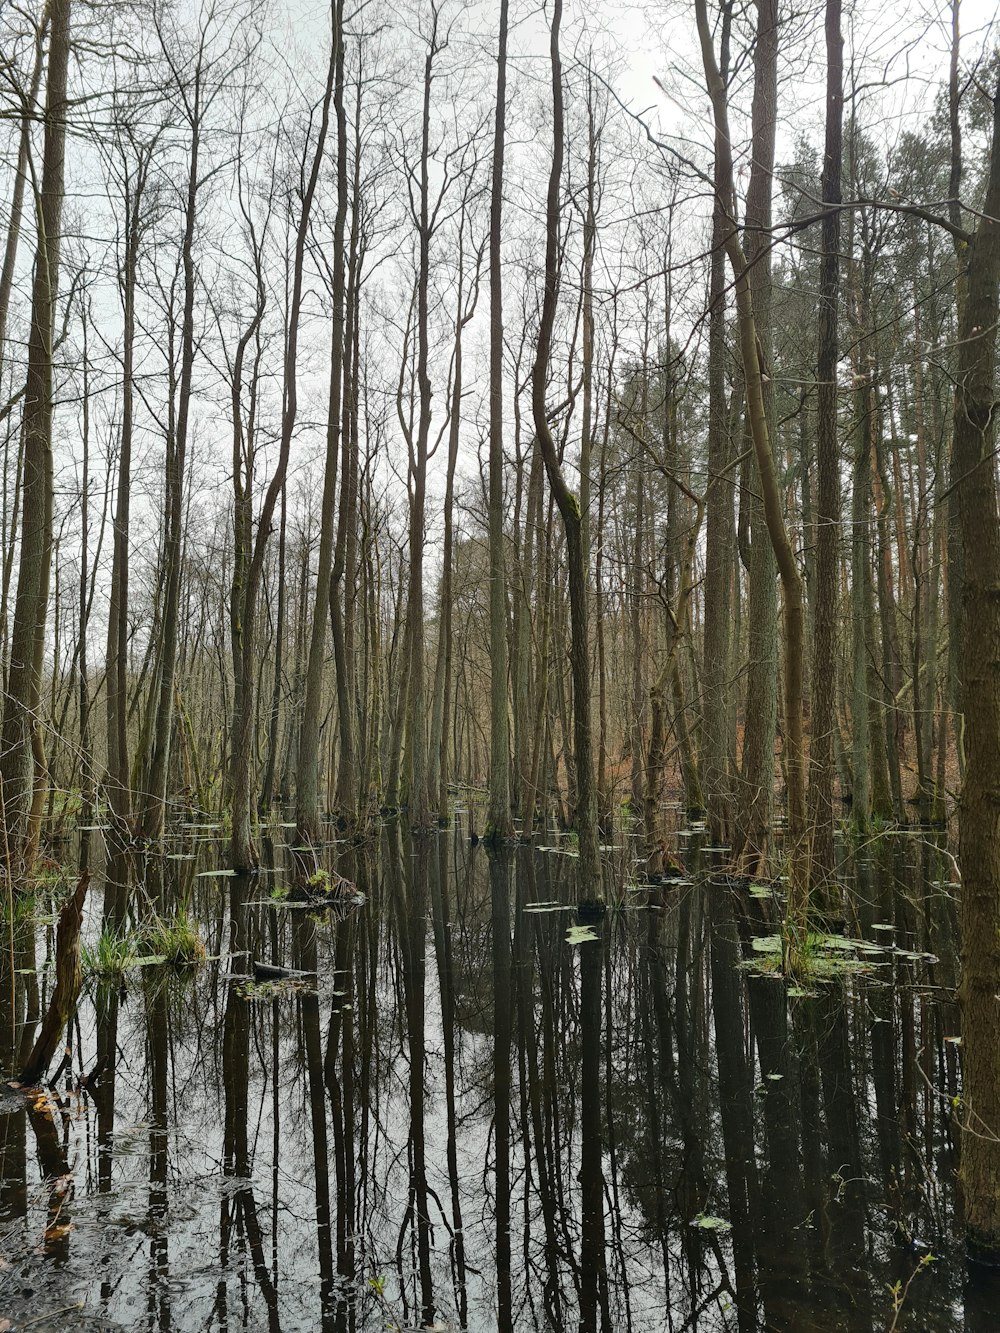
<point>687,1144</point>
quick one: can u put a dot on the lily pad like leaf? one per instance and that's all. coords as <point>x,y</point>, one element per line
<point>766,944</point>
<point>579,934</point>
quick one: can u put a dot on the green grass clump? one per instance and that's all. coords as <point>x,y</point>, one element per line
<point>174,941</point>
<point>26,905</point>
<point>110,956</point>
<point>177,940</point>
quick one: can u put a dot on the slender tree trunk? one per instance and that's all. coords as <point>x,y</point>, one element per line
<point>342,578</point>
<point>442,704</point>
<point>20,181</point>
<point>754,836</point>
<point>825,647</point>
<point>274,715</point>
<point>669,676</point>
<point>419,449</point>
<point>589,867</point>
<point>754,370</point>
<point>500,824</point>
<point>586,816</point>
<point>861,600</point>
<point>157,771</point>
<point>307,777</point>
<point>87,784</point>
<point>22,761</point>
<point>118,781</point>
<point>637,590</point>
<point>954,582</point>
<point>718,740</point>
<point>251,550</point>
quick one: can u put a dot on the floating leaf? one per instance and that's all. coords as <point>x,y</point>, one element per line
<point>766,944</point>
<point>215,874</point>
<point>708,1223</point>
<point>580,935</point>
<point>151,960</point>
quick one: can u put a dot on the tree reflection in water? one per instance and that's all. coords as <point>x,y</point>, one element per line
<point>478,1117</point>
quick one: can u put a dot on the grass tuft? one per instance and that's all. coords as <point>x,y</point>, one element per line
<point>177,941</point>
<point>110,956</point>
<point>174,941</point>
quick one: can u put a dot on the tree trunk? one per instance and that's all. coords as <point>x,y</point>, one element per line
<point>307,767</point>
<point>755,837</point>
<point>589,866</point>
<point>825,647</point>
<point>342,578</point>
<point>974,497</point>
<point>499,823</point>
<point>157,769</point>
<point>22,762</point>
<point>719,742</point>
<point>754,371</point>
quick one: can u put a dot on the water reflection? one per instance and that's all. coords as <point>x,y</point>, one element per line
<point>474,1110</point>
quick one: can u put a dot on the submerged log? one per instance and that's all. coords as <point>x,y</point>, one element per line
<point>67,986</point>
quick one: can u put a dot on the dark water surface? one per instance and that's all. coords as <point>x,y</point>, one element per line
<point>683,1144</point>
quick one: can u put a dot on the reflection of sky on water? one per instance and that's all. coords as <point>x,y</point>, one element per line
<point>782,1189</point>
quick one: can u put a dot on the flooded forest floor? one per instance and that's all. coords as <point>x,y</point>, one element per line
<point>455,1105</point>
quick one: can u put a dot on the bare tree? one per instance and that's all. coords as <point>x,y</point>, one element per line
<point>499,819</point>
<point>585,815</point>
<point>22,760</point>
